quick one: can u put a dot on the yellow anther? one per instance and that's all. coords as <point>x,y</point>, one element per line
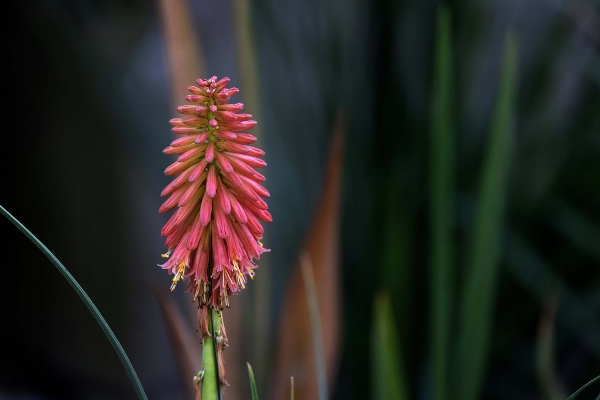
<point>179,276</point>
<point>166,255</point>
<point>259,242</point>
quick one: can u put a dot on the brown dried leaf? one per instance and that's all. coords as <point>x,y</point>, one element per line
<point>295,354</point>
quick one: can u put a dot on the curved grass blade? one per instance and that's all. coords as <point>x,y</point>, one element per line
<point>548,381</point>
<point>139,390</point>
<point>571,397</point>
<point>315,324</point>
<point>388,377</point>
<point>477,306</point>
<point>252,382</point>
<point>441,206</point>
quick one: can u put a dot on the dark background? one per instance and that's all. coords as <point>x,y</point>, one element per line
<point>86,100</point>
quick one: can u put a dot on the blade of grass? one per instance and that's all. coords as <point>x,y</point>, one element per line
<point>139,390</point>
<point>247,68</point>
<point>534,274</point>
<point>186,345</point>
<point>252,382</point>
<point>477,305</point>
<point>571,397</point>
<point>294,353</point>
<point>387,375</point>
<point>441,206</point>
<point>184,52</point>
<point>291,388</point>
<point>548,381</point>
<point>246,58</point>
<point>315,324</point>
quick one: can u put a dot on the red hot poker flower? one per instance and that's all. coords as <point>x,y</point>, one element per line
<point>214,235</point>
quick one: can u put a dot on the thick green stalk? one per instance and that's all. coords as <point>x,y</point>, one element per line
<point>211,387</point>
<point>441,208</point>
<point>139,390</point>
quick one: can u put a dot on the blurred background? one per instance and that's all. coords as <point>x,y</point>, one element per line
<point>438,163</point>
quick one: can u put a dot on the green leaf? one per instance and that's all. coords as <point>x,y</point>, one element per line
<point>388,377</point>
<point>252,382</point>
<point>477,307</point>
<point>441,205</point>
<point>139,390</point>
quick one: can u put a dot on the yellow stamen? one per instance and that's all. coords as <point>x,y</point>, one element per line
<point>179,276</point>
<point>166,255</point>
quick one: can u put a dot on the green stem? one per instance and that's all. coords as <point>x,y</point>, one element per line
<point>211,387</point>
<point>139,390</point>
<point>583,387</point>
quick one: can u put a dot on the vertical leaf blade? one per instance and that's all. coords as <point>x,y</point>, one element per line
<point>388,381</point>
<point>315,324</point>
<point>441,206</point>
<point>247,69</point>
<point>252,382</point>
<point>295,354</point>
<point>477,305</point>
<point>184,53</point>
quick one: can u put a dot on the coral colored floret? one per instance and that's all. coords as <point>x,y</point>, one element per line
<point>214,235</point>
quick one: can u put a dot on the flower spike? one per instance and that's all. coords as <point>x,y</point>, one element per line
<point>214,235</point>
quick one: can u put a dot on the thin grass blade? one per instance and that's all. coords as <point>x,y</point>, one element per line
<point>186,345</point>
<point>247,68</point>
<point>291,388</point>
<point>295,354</point>
<point>441,206</point>
<point>252,382</point>
<point>139,390</point>
<point>184,52</point>
<point>247,63</point>
<point>596,379</point>
<point>315,324</point>
<point>477,306</point>
<point>387,380</point>
<point>549,382</point>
